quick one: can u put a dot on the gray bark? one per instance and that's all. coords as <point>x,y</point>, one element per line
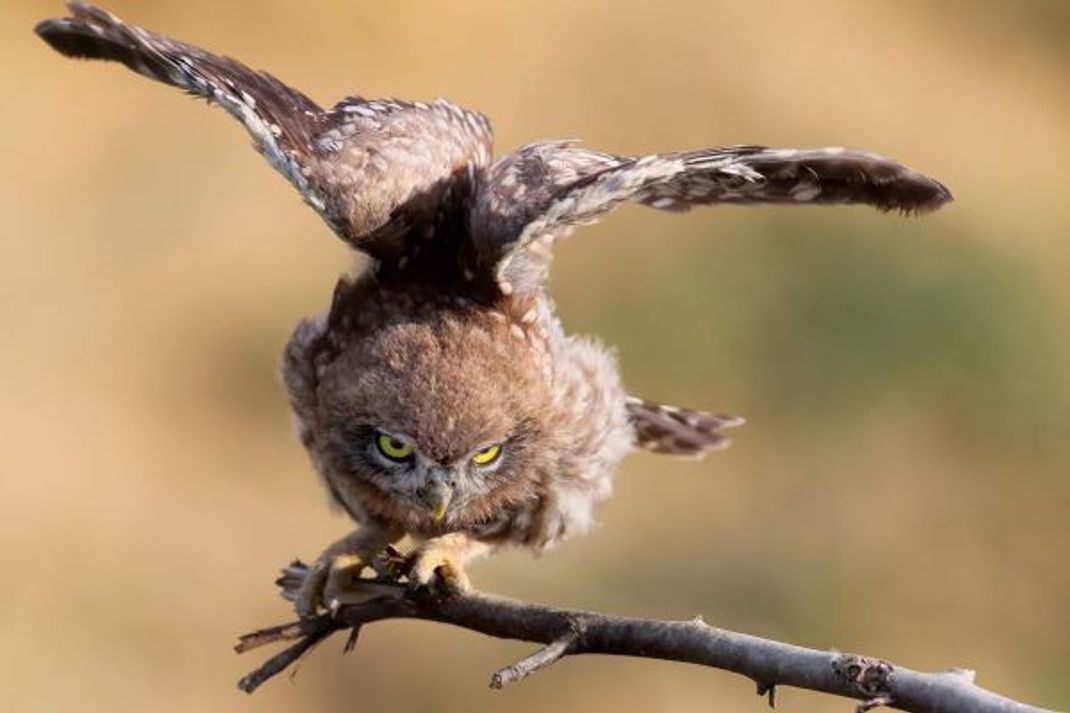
<point>568,632</point>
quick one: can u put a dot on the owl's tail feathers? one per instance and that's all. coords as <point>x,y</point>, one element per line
<point>677,431</point>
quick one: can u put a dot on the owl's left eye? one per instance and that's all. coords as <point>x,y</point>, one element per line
<point>394,448</point>
<point>488,455</point>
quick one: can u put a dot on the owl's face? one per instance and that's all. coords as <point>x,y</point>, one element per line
<point>399,466</point>
<point>436,423</point>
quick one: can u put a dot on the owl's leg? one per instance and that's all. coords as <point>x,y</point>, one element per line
<point>332,576</point>
<point>439,562</point>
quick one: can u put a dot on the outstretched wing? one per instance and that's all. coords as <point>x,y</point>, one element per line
<point>534,194</point>
<point>373,169</point>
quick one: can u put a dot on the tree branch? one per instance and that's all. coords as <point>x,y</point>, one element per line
<point>567,632</point>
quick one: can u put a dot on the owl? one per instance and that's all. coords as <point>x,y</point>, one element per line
<point>438,395</point>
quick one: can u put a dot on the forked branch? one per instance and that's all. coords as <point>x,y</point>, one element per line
<point>567,632</point>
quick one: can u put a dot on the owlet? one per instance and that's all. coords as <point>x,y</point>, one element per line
<point>438,396</point>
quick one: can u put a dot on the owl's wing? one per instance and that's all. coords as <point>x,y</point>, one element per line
<point>536,193</point>
<point>677,431</point>
<point>373,169</point>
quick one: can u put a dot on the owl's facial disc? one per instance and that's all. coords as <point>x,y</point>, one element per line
<point>428,417</point>
<point>400,453</point>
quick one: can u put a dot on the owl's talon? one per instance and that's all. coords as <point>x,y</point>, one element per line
<point>390,564</point>
<point>310,593</point>
<point>451,580</point>
<point>436,573</point>
<point>329,584</point>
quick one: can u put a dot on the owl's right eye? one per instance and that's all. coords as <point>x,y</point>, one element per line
<point>394,448</point>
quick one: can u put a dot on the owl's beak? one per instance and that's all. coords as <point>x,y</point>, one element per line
<point>437,499</point>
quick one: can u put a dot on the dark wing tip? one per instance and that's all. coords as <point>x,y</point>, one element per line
<point>73,37</point>
<point>877,181</point>
<point>835,176</point>
<point>912,193</point>
<point>90,33</point>
<point>56,33</point>
<point>942,195</point>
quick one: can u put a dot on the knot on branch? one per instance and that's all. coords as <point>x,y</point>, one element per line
<point>869,677</point>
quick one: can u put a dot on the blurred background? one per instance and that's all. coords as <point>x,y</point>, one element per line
<point>901,488</point>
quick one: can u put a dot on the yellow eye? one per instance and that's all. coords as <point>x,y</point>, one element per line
<point>393,448</point>
<point>488,455</point>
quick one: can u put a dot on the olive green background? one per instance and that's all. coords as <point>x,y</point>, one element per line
<point>901,488</point>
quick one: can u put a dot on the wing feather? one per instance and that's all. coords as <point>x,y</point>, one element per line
<point>373,169</point>
<point>677,431</point>
<point>541,190</point>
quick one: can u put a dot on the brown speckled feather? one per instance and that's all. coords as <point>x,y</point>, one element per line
<point>677,431</point>
<point>381,172</point>
<point>538,192</point>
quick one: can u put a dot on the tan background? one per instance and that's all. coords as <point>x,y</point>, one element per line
<point>901,489</point>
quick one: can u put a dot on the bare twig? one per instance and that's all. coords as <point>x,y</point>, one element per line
<point>284,659</point>
<point>351,640</point>
<point>540,659</point>
<point>285,632</point>
<point>567,632</point>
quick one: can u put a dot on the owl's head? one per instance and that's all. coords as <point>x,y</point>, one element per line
<point>434,421</point>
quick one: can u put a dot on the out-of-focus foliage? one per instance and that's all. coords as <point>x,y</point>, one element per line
<point>901,488</point>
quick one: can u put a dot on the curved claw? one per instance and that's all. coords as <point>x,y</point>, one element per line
<point>328,583</point>
<point>436,571</point>
<point>309,594</point>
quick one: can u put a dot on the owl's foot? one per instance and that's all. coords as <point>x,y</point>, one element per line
<point>436,571</point>
<point>331,582</point>
<point>334,579</point>
<point>438,565</point>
